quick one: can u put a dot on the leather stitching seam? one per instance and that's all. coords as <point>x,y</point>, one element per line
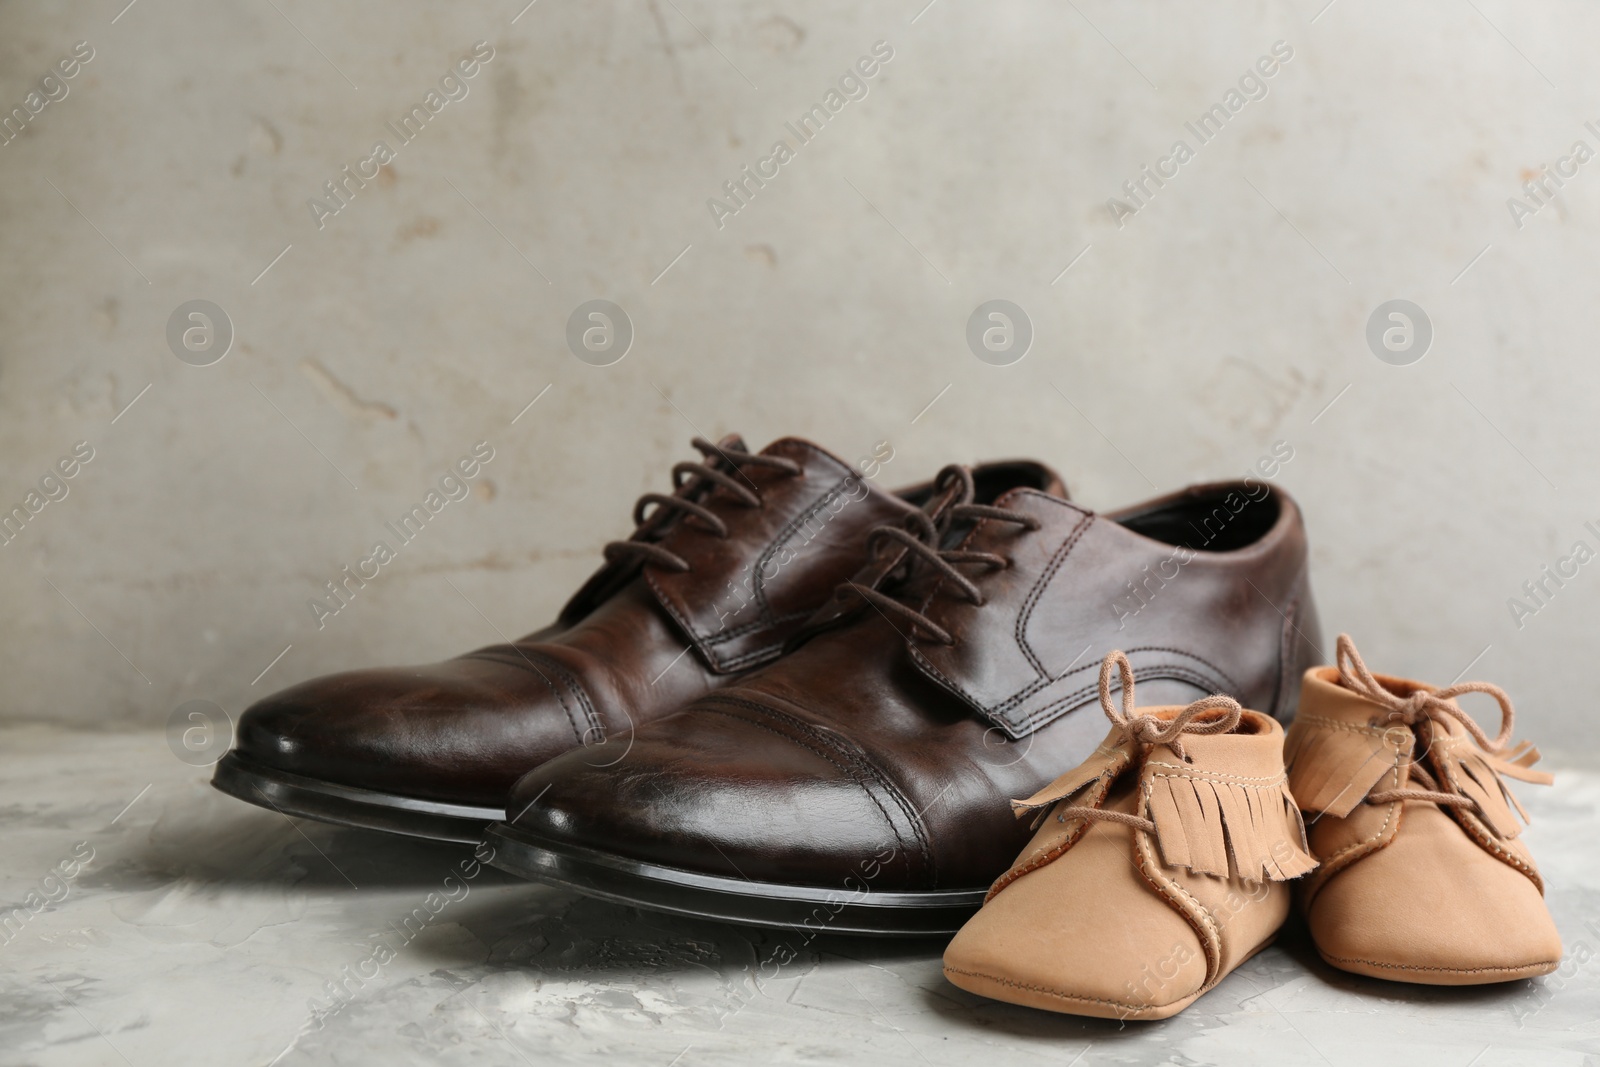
<point>764,654</point>
<point>522,662</point>
<point>1040,716</point>
<point>671,608</point>
<point>782,537</point>
<point>819,753</point>
<point>743,629</point>
<point>1348,855</point>
<point>852,773</point>
<point>966,542</point>
<point>1442,970</point>
<point>1322,723</point>
<point>858,763</point>
<point>1043,716</point>
<point>1486,839</point>
<point>1037,592</point>
<point>707,647</point>
<point>577,690</point>
<point>1228,684</point>
<point>1101,787</point>
<point>1247,781</point>
<point>1196,914</point>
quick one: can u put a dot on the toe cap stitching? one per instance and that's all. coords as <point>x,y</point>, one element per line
<point>522,661</point>
<point>857,764</point>
<point>576,687</point>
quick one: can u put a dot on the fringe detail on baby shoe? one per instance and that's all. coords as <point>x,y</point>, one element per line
<point>1518,763</point>
<point>1201,821</point>
<point>1103,764</point>
<point>1476,774</point>
<point>1334,765</point>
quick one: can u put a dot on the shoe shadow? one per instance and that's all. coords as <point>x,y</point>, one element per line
<point>562,933</point>
<point>217,840</point>
<point>211,867</point>
<point>1290,976</point>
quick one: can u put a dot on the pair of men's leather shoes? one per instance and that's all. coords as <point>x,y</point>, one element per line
<point>794,697</point>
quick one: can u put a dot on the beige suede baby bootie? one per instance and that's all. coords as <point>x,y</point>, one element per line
<point>1422,877</point>
<point>1159,866</point>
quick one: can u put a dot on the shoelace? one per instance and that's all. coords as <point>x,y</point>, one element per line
<point>1146,730</point>
<point>1428,704</point>
<point>687,481</point>
<point>923,546</point>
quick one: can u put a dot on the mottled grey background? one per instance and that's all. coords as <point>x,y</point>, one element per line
<point>1225,315</point>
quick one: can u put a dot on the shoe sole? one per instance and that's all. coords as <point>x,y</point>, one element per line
<point>368,809</point>
<point>1010,991</point>
<point>1447,976</point>
<point>736,900</point>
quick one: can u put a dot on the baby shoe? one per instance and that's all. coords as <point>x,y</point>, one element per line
<point>1159,866</point>
<point>1422,877</point>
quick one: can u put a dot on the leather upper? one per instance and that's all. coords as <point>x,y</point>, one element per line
<point>1410,889</point>
<point>1110,920</point>
<point>462,730</point>
<point>1031,653</point>
<point>870,735</point>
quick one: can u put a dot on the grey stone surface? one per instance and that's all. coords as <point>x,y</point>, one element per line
<point>207,931</point>
<point>1226,314</point>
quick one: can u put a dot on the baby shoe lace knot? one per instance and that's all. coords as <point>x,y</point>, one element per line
<point>1427,705</point>
<point>1143,731</point>
<point>1154,730</point>
<point>1208,822</point>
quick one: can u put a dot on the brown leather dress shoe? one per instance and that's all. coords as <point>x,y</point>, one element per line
<point>860,783</point>
<point>714,579</point>
<point>1424,874</point>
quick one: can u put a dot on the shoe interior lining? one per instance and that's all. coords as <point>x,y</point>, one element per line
<point>991,480</point>
<point>1221,519</point>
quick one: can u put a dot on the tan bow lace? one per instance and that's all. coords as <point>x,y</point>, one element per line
<point>1426,706</point>
<point>1145,730</point>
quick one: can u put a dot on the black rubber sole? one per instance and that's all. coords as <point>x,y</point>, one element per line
<point>814,909</point>
<point>346,805</point>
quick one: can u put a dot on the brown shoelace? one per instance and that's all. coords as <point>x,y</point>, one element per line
<point>1146,730</point>
<point>922,546</point>
<point>1426,705</point>
<point>691,482</point>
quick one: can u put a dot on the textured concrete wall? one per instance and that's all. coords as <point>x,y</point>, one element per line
<point>1176,337</point>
